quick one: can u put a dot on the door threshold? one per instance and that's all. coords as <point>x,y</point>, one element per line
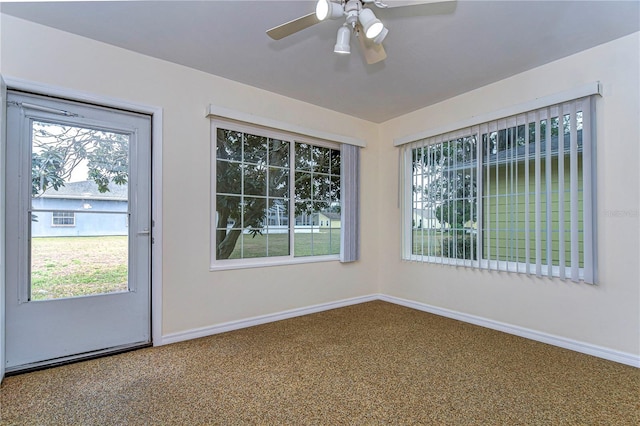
<point>56,362</point>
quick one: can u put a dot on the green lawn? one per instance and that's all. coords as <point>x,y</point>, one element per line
<point>78,266</point>
<point>306,244</point>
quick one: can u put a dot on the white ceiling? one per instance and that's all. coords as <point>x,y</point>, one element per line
<point>434,51</point>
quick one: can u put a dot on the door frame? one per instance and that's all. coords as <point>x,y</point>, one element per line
<point>3,144</point>
<point>156,187</point>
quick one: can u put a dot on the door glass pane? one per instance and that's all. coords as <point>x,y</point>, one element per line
<point>79,218</point>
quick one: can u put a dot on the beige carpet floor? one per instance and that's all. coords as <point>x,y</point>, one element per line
<point>369,364</point>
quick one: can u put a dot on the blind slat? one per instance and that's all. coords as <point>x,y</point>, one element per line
<point>527,191</point>
<point>479,200</point>
<point>548,192</point>
<point>561,201</point>
<point>573,139</point>
<point>588,191</point>
<point>538,215</point>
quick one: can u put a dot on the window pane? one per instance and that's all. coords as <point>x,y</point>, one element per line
<point>321,159</point>
<point>254,212</point>
<point>278,228</point>
<point>303,157</point>
<point>322,187</point>
<point>254,244</point>
<point>317,231</point>
<point>255,179</point>
<point>304,186</point>
<point>335,162</point>
<point>278,153</point>
<point>255,149</point>
<point>228,212</point>
<point>228,177</point>
<point>228,226</point>
<point>334,191</point>
<point>228,145</point>
<point>278,182</point>
<point>79,226</point>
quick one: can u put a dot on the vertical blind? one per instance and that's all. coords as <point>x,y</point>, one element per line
<point>350,202</point>
<point>513,194</point>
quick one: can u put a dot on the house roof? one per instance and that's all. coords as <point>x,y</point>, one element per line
<point>331,215</point>
<point>88,190</point>
<point>520,152</point>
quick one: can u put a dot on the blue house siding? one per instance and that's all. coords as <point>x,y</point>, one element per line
<point>86,222</point>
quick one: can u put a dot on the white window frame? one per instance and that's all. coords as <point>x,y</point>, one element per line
<point>292,138</point>
<point>516,115</point>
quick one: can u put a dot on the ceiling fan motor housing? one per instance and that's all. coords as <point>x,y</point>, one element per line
<point>352,10</point>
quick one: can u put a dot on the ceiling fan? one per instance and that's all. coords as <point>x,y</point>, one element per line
<point>359,20</point>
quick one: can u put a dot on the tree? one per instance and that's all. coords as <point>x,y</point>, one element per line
<point>447,187</point>
<point>449,184</point>
<point>58,150</point>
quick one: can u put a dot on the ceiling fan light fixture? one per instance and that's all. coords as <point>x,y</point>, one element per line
<point>343,41</point>
<point>371,25</point>
<point>328,9</point>
<point>380,37</point>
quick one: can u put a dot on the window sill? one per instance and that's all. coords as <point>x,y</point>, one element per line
<point>263,263</point>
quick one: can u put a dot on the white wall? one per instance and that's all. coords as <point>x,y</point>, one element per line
<point>606,315</point>
<point>194,297</point>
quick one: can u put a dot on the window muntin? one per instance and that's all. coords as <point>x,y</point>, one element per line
<point>263,209</point>
<point>63,219</point>
<point>506,195</point>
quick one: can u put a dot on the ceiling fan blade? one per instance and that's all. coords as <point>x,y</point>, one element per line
<point>402,3</point>
<point>372,52</point>
<point>291,27</point>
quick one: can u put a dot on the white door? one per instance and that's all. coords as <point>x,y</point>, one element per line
<point>78,226</point>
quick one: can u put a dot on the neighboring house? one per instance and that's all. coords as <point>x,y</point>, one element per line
<point>277,221</point>
<point>329,220</point>
<point>79,209</point>
<point>507,184</point>
<point>426,219</point>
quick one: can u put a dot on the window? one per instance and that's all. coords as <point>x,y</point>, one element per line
<point>513,194</point>
<point>272,193</point>
<point>63,219</point>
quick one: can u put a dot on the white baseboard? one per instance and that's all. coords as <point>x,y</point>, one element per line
<point>262,319</point>
<point>574,345</point>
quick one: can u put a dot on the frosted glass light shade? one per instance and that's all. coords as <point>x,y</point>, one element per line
<point>342,42</point>
<point>371,25</point>
<point>328,9</point>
